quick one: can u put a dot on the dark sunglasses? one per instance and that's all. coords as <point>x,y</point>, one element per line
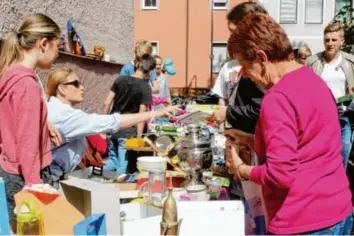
<point>75,83</point>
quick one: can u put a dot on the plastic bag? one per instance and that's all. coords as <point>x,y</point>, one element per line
<point>256,218</point>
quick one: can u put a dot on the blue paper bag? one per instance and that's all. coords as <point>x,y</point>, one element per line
<point>92,225</point>
<point>4,215</point>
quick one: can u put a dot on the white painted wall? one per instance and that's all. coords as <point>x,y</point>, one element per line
<point>312,34</point>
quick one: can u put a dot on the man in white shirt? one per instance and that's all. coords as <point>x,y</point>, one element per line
<point>337,70</point>
<point>227,81</point>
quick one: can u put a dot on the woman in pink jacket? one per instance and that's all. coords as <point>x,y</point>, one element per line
<point>24,135</point>
<point>298,136</point>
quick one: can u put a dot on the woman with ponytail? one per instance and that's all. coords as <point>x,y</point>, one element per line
<point>24,135</point>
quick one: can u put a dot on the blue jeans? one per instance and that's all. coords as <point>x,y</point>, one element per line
<point>342,228</point>
<point>346,139</point>
<point>117,152</point>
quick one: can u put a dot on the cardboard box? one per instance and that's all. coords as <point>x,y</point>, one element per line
<point>127,190</point>
<point>136,211</point>
<point>198,218</point>
<point>87,172</point>
<point>90,197</point>
<point>59,215</point>
<point>126,186</point>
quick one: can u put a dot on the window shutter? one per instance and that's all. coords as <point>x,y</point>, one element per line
<point>313,11</point>
<point>288,11</point>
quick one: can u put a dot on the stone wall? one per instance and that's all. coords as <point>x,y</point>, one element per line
<point>99,22</point>
<point>96,76</point>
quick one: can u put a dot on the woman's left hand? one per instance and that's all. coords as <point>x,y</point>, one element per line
<point>54,134</point>
<point>233,159</point>
<point>236,164</point>
<point>236,159</point>
<point>228,159</point>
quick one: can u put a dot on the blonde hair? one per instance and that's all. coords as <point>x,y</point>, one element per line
<point>334,27</point>
<point>56,78</point>
<point>142,47</point>
<point>35,27</point>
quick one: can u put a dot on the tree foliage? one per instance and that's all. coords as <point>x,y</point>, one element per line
<point>344,17</point>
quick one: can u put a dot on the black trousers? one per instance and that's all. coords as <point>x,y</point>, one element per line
<point>14,184</point>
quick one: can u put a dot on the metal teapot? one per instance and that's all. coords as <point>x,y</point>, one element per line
<point>195,149</point>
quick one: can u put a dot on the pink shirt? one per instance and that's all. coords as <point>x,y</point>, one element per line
<point>298,141</point>
<point>24,135</point>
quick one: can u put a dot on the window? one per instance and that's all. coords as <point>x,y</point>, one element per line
<point>220,4</point>
<point>219,55</point>
<point>155,48</point>
<point>288,12</point>
<point>313,11</point>
<point>340,4</point>
<point>149,4</point>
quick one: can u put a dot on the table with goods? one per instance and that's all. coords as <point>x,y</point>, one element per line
<point>180,180</point>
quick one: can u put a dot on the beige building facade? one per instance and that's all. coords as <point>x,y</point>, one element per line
<point>185,31</point>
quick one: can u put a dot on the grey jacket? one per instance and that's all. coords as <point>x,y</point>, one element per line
<point>315,62</point>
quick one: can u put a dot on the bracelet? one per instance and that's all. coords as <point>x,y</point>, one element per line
<point>238,171</point>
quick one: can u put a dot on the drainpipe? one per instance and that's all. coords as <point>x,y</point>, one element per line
<point>212,40</point>
<point>187,45</point>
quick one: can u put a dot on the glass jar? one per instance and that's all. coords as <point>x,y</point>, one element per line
<point>157,187</point>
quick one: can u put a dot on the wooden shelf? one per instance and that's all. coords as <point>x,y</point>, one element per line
<point>144,149</point>
<point>89,58</point>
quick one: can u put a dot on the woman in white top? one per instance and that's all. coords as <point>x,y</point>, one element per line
<point>65,90</point>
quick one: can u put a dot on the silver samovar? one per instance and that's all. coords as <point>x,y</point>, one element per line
<point>195,150</point>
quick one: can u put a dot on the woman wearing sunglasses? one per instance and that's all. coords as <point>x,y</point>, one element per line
<point>64,91</point>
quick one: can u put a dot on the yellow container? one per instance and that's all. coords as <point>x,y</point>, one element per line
<point>135,143</point>
<point>29,222</point>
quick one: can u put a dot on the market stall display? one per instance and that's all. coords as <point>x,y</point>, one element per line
<point>180,159</point>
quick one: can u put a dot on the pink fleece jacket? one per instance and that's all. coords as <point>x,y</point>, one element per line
<point>298,141</point>
<point>24,135</point>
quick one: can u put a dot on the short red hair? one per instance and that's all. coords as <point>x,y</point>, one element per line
<point>259,31</point>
